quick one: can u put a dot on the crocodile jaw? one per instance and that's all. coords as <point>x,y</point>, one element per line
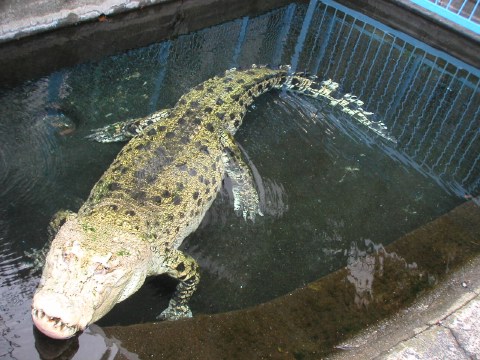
<point>59,316</point>
<point>53,326</point>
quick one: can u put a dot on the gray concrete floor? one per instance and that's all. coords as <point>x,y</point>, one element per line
<point>443,324</point>
<point>27,17</point>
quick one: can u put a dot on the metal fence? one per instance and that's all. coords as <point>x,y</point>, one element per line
<point>465,13</point>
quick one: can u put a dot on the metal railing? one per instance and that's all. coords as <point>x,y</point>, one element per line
<point>465,13</point>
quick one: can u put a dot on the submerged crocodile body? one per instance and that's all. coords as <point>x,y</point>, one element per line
<point>154,194</point>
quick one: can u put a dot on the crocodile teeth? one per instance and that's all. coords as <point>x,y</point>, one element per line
<point>57,322</point>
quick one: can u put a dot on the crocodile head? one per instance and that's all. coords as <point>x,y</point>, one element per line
<point>84,277</point>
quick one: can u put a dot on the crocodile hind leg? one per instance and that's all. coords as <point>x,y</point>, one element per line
<point>125,130</point>
<point>245,196</point>
<point>184,268</point>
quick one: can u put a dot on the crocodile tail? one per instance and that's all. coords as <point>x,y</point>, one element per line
<point>347,103</point>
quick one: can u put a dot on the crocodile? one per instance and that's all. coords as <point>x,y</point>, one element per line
<point>155,193</point>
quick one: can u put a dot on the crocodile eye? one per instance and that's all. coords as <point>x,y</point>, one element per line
<point>102,269</point>
<point>66,256</point>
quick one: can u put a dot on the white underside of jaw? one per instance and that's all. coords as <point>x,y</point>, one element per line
<point>52,326</point>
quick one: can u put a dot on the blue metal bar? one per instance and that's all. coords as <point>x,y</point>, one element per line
<point>317,37</point>
<point>411,40</point>
<point>343,51</point>
<point>467,23</point>
<point>461,8</point>
<point>322,50</point>
<point>446,117</point>
<point>354,51</point>
<point>382,72</point>
<point>162,59</point>
<point>474,10</point>
<point>303,34</point>
<point>390,77</point>
<point>448,5</point>
<point>240,41</point>
<point>335,44</point>
<point>459,125</point>
<point>403,87</point>
<point>282,37</point>
<point>467,148</point>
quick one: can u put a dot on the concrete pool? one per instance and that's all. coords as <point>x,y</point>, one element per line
<point>439,158</point>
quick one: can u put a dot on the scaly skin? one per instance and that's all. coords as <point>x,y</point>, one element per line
<point>154,194</point>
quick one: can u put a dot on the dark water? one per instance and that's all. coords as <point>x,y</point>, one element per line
<point>330,190</point>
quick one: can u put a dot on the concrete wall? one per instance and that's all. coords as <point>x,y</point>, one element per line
<point>43,52</point>
<point>27,17</point>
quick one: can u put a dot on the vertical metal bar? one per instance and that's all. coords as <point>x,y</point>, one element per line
<point>363,62</point>
<point>404,85</point>
<point>448,5</point>
<point>467,130</point>
<point>321,53</point>
<point>422,115</point>
<point>162,59</point>
<point>470,144</point>
<point>365,80</point>
<point>392,73</point>
<point>470,171</point>
<point>333,52</point>
<point>415,107</point>
<point>344,51</point>
<point>317,37</point>
<point>445,119</point>
<point>474,10</point>
<point>282,36</point>
<point>380,75</point>
<point>240,41</point>
<point>354,51</point>
<point>303,34</point>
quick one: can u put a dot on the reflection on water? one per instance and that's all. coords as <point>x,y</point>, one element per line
<point>364,264</point>
<point>332,194</point>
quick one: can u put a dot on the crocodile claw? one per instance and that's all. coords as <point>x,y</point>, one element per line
<point>175,313</point>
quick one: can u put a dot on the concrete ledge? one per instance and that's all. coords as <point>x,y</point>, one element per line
<point>443,321</point>
<point>310,322</point>
<point>33,56</point>
<point>25,18</point>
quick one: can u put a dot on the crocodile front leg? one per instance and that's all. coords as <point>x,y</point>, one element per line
<point>38,256</point>
<point>125,130</point>
<point>245,196</point>
<point>185,269</point>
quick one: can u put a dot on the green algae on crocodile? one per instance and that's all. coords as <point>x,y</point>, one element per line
<point>155,193</point>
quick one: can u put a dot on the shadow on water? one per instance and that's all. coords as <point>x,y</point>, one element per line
<point>332,193</point>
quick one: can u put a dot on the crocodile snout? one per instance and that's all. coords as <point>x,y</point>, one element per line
<point>55,315</point>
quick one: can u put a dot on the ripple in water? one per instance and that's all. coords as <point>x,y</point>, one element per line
<point>31,132</point>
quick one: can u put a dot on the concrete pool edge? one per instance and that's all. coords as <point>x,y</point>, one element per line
<point>307,323</point>
<point>443,319</point>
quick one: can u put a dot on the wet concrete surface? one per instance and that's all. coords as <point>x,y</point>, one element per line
<point>433,269</point>
<point>24,18</point>
<point>444,323</point>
